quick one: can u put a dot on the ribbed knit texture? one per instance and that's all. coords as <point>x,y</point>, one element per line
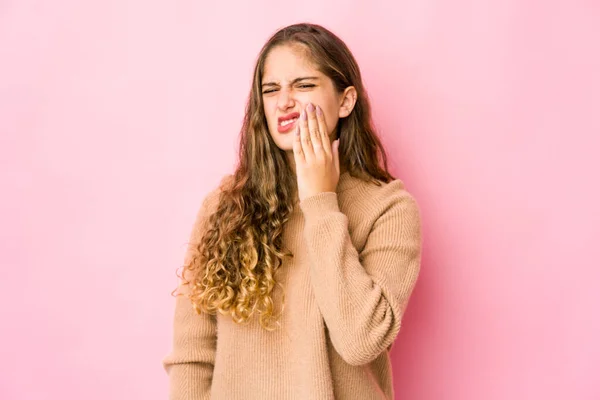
<point>357,256</point>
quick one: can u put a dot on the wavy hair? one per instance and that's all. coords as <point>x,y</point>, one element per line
<point>233,269</point>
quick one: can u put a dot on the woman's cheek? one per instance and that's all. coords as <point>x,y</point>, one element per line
<point>270,110</point>
<point>308,98</point>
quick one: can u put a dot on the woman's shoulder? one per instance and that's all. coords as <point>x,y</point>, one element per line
<point>373,189</point>
<point>376,195</point>
<point>212,198</point>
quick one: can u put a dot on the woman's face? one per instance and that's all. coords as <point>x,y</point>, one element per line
<point>290,82</point>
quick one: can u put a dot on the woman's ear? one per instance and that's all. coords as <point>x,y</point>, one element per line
<point>348,100</point>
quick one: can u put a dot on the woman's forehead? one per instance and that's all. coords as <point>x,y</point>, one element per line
<point>288,63</point>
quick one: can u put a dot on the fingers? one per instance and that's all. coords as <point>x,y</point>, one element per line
<point>324,132</point>
<point>305,137</point>
<point>313,140</point>
<point>297,147</point>
<point>313,129</point>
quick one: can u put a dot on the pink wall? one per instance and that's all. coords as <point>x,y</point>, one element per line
<point>117,117</point>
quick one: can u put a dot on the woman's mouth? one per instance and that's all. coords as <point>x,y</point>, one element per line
<point>285,124</point>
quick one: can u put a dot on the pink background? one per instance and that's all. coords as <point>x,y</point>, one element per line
<point>117,117</point>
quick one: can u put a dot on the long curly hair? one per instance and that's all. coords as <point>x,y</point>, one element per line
<point>233,269</point>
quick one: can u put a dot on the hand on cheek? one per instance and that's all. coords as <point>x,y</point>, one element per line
<point>317,159</point>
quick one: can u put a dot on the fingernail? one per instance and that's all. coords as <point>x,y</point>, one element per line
<point>319,111</point>
<point>303,115</point>
<point>297,130</point>
<point>310,107</point>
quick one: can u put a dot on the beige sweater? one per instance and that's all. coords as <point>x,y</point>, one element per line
<point>356,259</point>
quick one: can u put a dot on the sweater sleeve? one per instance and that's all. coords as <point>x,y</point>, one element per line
<point>362,297</point>
<point>191,361</point>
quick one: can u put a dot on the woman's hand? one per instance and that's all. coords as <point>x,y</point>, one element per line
<point>317,159</point>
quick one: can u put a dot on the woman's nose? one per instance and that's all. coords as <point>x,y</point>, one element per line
<point>285,100</point>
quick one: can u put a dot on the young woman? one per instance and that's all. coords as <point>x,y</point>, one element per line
<point>300,264</point>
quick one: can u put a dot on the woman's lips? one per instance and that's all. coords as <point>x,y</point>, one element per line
<point>287,126</point>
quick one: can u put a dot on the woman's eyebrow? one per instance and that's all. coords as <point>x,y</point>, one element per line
<point>294,81</point>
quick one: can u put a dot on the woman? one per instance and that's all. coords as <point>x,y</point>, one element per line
<point>301,263</point>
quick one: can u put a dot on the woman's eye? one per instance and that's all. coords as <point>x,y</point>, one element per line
<point>304,86</point>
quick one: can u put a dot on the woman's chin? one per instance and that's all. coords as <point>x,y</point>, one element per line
<point>285,143</point>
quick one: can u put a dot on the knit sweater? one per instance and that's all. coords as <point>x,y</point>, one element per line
<point>357,254</point>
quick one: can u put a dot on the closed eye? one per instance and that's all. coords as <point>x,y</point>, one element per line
<point>303,86</point>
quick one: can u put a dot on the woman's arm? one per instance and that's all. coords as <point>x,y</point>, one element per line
<point>190,364</point>
<point>362,296</point>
